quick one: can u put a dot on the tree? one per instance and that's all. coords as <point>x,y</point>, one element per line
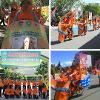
<point>63,6</point>
<point>94,8</point>
<point>43,69</point>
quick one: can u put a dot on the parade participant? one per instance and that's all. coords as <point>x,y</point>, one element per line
<point>14,10</point>
<point>26,12</point>
<point>1,86</point>
<point>12,92</point>
<point>28,83</point>
<point>29,92</point>
<point>6,83</point>
<point>18,84</point>
<point>24,92</point>
<point>33,84</point>
<point>81,27</point>
<point>11,82</point>
<point>44,92</point>
<point>7,93</point>
<point>65,26</point>
<point>40,87</point>
<point>75,80</point>
<point>18,92</point>
<point>85,24</point>
<point>24,84</point>
<point>61,88</point>
<point>94,21</point>
<point>35,93</point>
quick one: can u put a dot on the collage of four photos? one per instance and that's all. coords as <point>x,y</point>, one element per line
<point>49,49</point>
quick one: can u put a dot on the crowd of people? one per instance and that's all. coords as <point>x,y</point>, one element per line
<point>25,11</point>
<point>16,88</point>
<point>72,81</point>
<point>68,21</point>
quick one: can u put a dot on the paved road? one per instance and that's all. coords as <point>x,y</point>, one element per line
<point>89,41</point>
<point>91,94</point>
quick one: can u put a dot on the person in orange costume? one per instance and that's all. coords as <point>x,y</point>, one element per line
<point>18,93</point>
<point>61,88</point>
<point>24,92</point>
<point>7,93</point>
<point>81,26</point>
<point>40,87</point>
<point>44,92</point>
<point>94,21</point>
<point>18,84</point>
<point>24,83</point>
<point>26,12</point>
<point>33,84</point>
<point>14,10</point>
<point>75,80</point>
<point>12,92</point>
<point>29,92</point>
<point>66,26</point>
<point>28,83</point>
<point>34,93</point>
<point>11,82</point>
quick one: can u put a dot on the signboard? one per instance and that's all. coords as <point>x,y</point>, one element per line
<point>20,58</point>
<point>25,33</point>
<point>82,58</point>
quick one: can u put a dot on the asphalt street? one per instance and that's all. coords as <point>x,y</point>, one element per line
<point>89,41</point>
<point>93,93</point>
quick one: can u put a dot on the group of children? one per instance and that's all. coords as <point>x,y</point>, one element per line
<point>11,88</point>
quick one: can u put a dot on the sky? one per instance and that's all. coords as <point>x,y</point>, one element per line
<point>91,1</point>
<point>65,57</point>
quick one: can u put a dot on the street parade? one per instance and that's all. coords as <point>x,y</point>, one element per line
<point>74,21</point>
<point>74,80</point>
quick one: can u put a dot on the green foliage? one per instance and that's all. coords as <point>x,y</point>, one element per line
<point>94,8</point>
<point>63,6</point>
<point>43,69</point>
<point>54,70</point>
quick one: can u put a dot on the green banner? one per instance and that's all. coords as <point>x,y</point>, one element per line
<point>20,58</point>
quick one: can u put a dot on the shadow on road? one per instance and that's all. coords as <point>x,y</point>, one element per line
<point>54,42</point>
<point>94,86</point>
<point>57,42</point>
<point>73,97</point>
<point>92,44</point>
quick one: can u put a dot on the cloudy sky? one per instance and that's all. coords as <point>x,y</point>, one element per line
<point>65,57</point>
